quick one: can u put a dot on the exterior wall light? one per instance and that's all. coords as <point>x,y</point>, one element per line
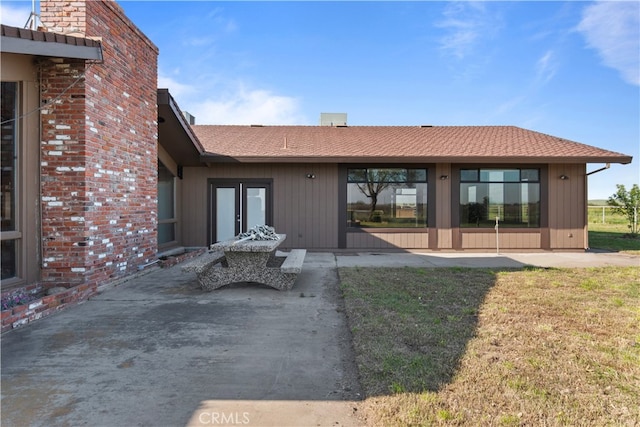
<point>564,177</point>
<point>311,175</point>
<point>443,177</point>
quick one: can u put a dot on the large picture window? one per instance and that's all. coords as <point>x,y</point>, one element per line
<point>386,197</point>
<point>512,195</point>
<point>10,232</point>
<point>166,206</point>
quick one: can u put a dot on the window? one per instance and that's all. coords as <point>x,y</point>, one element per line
<point>166,206</point>
<point>386,198</point>
<point>512,195</point>
<point>9,153</point>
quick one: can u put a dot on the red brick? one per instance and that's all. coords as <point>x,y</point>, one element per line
<point>113,148</point>
<point>19,309</point>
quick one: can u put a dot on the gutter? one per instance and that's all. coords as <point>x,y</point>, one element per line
<point>599,170</point>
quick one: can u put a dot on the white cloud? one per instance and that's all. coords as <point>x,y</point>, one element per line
<point>14,16</point>
<point>233,103</point>
<point>466,24</point>
<point>178,90</point>
<point>613,30</point>
<point>217,17</point>
<point>546,67</point>
<point>247,106</point>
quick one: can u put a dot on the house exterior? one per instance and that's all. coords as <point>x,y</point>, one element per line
<point>391,187</point>
<point>102,173</point>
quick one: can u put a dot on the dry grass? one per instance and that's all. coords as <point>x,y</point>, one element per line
<point>548,347</point>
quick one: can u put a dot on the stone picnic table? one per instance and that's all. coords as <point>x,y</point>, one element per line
<point>234,261</point>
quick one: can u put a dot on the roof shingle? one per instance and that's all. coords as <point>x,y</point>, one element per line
<point>478,144</point>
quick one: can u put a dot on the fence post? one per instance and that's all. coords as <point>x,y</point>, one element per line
<point>497,236</point>
<point>603,215</point>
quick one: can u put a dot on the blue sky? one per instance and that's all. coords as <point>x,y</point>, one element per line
<point>570,69</point>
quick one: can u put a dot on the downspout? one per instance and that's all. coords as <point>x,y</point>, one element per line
<point>586,213</point>
<point>599,170</point>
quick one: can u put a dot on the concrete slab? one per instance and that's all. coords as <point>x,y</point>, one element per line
<point>486,260</point>
<point>160,351</point>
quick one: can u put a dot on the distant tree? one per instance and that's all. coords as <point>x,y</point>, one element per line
<point>628,204</point>
<point>377,180</point>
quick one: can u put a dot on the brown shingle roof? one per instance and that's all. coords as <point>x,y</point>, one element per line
<point>477,144</point>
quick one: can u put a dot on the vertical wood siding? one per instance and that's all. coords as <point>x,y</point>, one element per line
<point>443,206</point>
<point>306,210</point>
<point>509,240</point>
<point>567,206</point>
<point>382,240</point>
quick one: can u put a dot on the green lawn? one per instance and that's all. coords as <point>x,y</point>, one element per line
<point>613,237</point>
<point>496,347</point>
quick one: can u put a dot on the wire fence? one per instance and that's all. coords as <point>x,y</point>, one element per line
<point>607,215</point>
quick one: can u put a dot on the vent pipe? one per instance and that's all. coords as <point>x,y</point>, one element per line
<point>333,119</point>
<point>189,118</point>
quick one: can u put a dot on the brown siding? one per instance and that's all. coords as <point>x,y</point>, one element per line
<point>507,240</point>
<point>384,240</point>
<point>567,206</point>
<point>306,210</point>
<point>443,205</point>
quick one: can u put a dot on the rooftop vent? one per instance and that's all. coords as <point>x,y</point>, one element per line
<point>189,118</point>
<point>426,126</point>
<point>333,119</point>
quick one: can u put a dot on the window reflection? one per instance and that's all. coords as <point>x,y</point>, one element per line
<point>166,205</point>
<point>512,195</point>
<point>387,197</point>
<point>8,153</point>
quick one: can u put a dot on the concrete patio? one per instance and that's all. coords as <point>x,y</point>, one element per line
<point>157,350</point>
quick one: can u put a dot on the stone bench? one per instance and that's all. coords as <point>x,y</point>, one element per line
<point>217,269</point>
<point>204,262</point>
<point>293,262</point>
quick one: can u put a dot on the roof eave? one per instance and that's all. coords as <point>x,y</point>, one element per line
<point>219,158</point>
<point>49,49</point>
<point>185,148</point>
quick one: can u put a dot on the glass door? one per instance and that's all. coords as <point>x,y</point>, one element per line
<point>237,206</point>
<point>227,213</point>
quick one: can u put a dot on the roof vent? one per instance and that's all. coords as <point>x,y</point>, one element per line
<point>333,119</point>
<point>426,126</point>
<point>190,119</point>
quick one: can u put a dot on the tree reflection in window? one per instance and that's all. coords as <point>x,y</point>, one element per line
<point>395,197</point>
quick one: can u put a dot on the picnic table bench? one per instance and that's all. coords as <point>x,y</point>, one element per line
<point>233,261</point>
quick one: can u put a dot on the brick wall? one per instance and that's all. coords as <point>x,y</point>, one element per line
<point>99,149</point>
